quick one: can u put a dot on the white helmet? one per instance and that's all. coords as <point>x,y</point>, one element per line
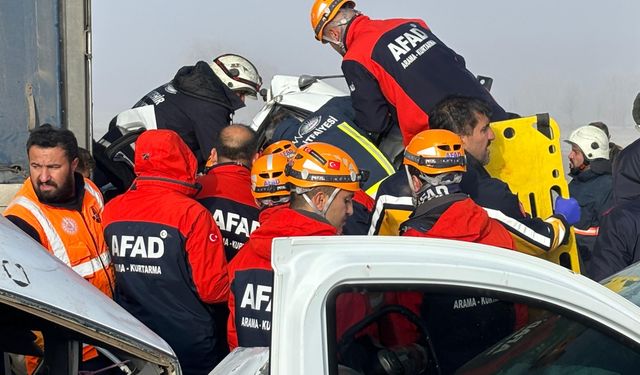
<point>238,73</point>
<point>593,142</point>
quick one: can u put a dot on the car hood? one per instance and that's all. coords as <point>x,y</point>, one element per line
<point>285,91</point>
<point>36,282</point>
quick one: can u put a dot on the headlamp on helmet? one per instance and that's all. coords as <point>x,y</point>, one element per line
<point>436,151</point>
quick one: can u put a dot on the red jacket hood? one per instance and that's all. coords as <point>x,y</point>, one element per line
<point>285,222</point>
<point>267,212</point>
<point>162,153</point>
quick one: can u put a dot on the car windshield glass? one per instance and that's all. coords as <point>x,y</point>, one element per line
<point>559,345</point>
<point>445,330</point>
<point>555,345</point>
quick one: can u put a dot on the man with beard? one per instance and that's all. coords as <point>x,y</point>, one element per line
<point>62,210</point>
<point>591,181</point>
<point>469,119</point>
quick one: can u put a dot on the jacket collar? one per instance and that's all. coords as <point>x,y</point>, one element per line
<point>353,29</point>
<point>229,167</point>
<point>150,182</point>
<point>473,163</point>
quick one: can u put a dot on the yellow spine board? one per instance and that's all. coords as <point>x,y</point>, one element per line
<point>526,155</point>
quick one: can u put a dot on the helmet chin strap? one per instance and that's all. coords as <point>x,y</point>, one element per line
<point>322,213</point>
<point>339,45</point>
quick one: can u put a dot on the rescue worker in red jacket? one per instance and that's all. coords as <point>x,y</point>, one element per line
<point>435,161</point>
<point>469,119</point>
<point>226,193</point>
<point>396,69</point>
<point>168,252</point>
<point>226,188</point>
<point>62,211</point>
<point>323,180</point>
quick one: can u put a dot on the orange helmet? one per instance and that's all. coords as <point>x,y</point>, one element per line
<point>323,11</point>
<point>436,151</point>
<point>284,147</point>
<point>322,164</point>
<point>267,177</point>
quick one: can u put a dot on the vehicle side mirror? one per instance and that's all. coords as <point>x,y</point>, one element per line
<point>304,81</point>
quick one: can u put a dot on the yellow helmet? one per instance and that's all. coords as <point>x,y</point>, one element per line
<point>267,177</point>
<point>322,164</point>
<point>284,147</point>
<point>436,151</point>
<point>323,11</point>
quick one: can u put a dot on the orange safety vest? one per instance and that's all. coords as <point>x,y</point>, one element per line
<point>74,237</point>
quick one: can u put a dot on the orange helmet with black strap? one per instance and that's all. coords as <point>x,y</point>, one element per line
<point>323,12</point>
<point>435,151</point>
<point>321,164</point>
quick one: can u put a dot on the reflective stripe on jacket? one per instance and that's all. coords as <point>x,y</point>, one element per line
<point>75,237</point>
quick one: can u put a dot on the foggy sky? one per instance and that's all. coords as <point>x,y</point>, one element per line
<point>577,60</point>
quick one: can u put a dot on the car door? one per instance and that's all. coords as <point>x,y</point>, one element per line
<point>315,276</point>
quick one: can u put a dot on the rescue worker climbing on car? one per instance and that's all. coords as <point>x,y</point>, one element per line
<point>201,100</point>
<point>197,103</point>
<point>323,179</point>
<point>397,70</point>
<point>434,161</point>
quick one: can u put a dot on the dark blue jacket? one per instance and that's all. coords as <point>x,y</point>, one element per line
<point>592,189</point>
<point>196,105</point>
<point>397,70</point>
<point>618,242</point>
<point>332,124</point>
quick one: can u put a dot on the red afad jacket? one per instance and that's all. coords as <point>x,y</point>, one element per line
<point>397,70</point>
<point>466,221</point>
<point>226,193</point>
<point>167,251</point>
<point>455,330</point>
<point>251,275</point>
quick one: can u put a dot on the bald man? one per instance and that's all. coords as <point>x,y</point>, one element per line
<point>226,188</point>
<point>226,193</point>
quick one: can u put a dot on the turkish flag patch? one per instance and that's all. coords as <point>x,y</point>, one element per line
<point>334,165</point>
